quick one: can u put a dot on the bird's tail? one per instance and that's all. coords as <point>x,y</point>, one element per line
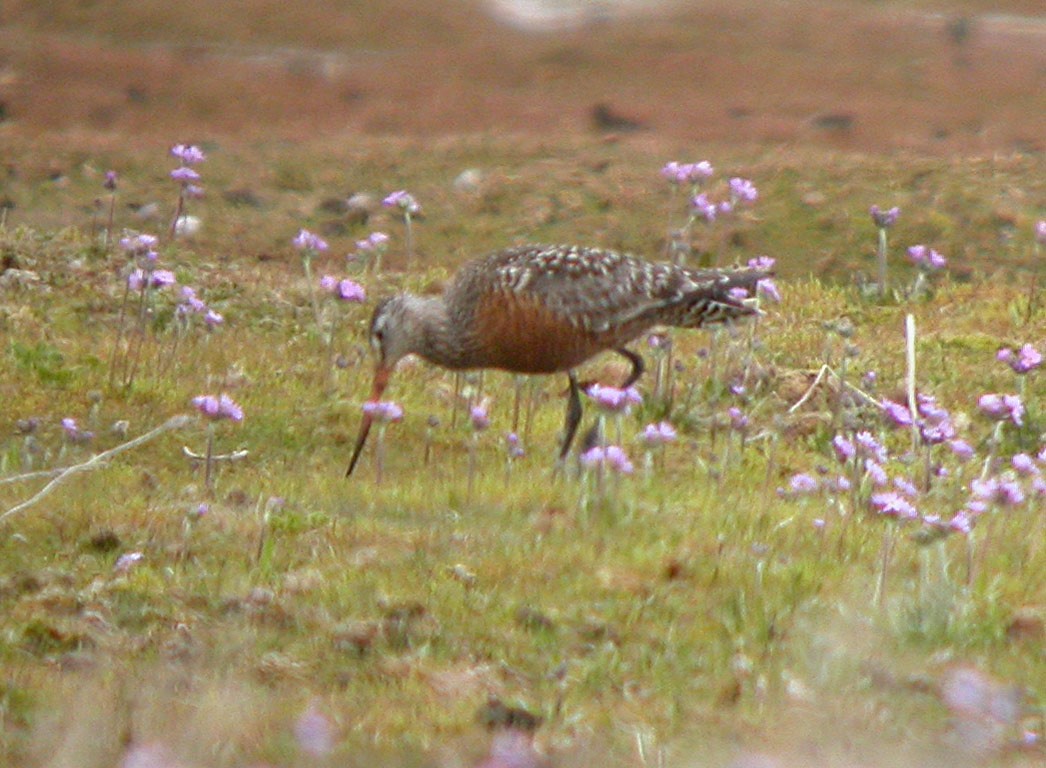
<point>719,296</point>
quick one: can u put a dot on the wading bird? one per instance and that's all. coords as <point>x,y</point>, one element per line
<point>547,309</point>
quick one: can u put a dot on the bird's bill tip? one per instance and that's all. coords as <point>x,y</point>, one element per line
<point>381,381</point>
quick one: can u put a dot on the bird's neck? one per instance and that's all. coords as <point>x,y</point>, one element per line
<point>437,337</point>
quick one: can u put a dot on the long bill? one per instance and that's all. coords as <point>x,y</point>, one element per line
<point>381,380</point>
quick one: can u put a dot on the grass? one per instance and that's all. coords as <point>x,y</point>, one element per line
<point>693,616</point>
<point>695,602</point>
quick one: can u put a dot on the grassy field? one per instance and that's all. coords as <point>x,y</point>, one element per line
<point>711,607</point>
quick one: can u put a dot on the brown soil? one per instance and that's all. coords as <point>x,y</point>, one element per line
<point>841,74</point>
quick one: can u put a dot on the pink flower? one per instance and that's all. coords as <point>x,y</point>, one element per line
<point>127,561</point>
<point>480,417</point>
<point>1002,407</point>
<point>884,219</point>
<point>803,483</point>
<point>189,154</point>
<point>687,173</point>
<point>614,400</point>
<point>894,504</point>
<point>403,200</point>
<point>307,241</point>
<point>383,411</point>
<point>658,434</point>
<point>351,291</point>
<point>926,258</point>
<point>220,407</point>
<point>743,190</point>
<point>897,413</point>
<point>314,733</point>
<point>701,204</point>
<point>185,175</point>
<point>1026,359</point>
<point>844,448</point>
<point>612,456</point>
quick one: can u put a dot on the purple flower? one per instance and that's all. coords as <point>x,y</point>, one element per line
<point>480,417</point>
<point>884,219</point>
<point>618,460</point>
<point>126,561</point>
<point>897,413</point>
<point>894,505</point>
<point>73,433</point>
<point>314,733</point>
<point>961,521</point>
<point>189,154</point>
<point>614,400</point>
<point>738,419</point>
<point>373,241</point>
<point>212,318</point>
<point>515,447</point>
<point>936,433</point>
<point>613,456</point>
<point>1022,361</point>
<point>962,449</point>
<point>1005,491</point>
<point>768,288</point>
<point>1040,231</point>
<point>803,483</point>
<point>737,293</point>
<point>383,410</point>
<point>659,434</point>
<point>1024,464</point>
<point>1002,407</point>
<point>876,473</point>
<point>328,283</point>
<point>687,173</point>
<point>743,190</point>
<point>185,175</point>
<point>403,200</point>
<point>869,448</point>
<point>162,278</point>
<point>220,407</point>
<point>928,408</point>
<point>701,204</point>
<point>351,291</point>
<point>307,241</point>
<point>926,258</point>
<point>762,263</point>
<point>139,244</point>
<point>906,486</point>
<point>841,484</point>
<point>110,181</point>
<point>844,448</point>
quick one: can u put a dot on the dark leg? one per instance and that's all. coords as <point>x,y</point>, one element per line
<point>637,366</point>
<point>573,415</point>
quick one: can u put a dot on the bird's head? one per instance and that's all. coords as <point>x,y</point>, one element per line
<point>392,330</point>
<point>394,334</point>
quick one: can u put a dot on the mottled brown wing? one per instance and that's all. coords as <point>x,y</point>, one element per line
<point>611,294</point>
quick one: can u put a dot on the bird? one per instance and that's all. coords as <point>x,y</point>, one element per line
<point>545,309</point>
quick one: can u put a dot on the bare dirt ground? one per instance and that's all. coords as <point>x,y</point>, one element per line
<point>854,76</point>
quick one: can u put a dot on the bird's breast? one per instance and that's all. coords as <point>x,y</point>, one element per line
<point>521,333</point>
